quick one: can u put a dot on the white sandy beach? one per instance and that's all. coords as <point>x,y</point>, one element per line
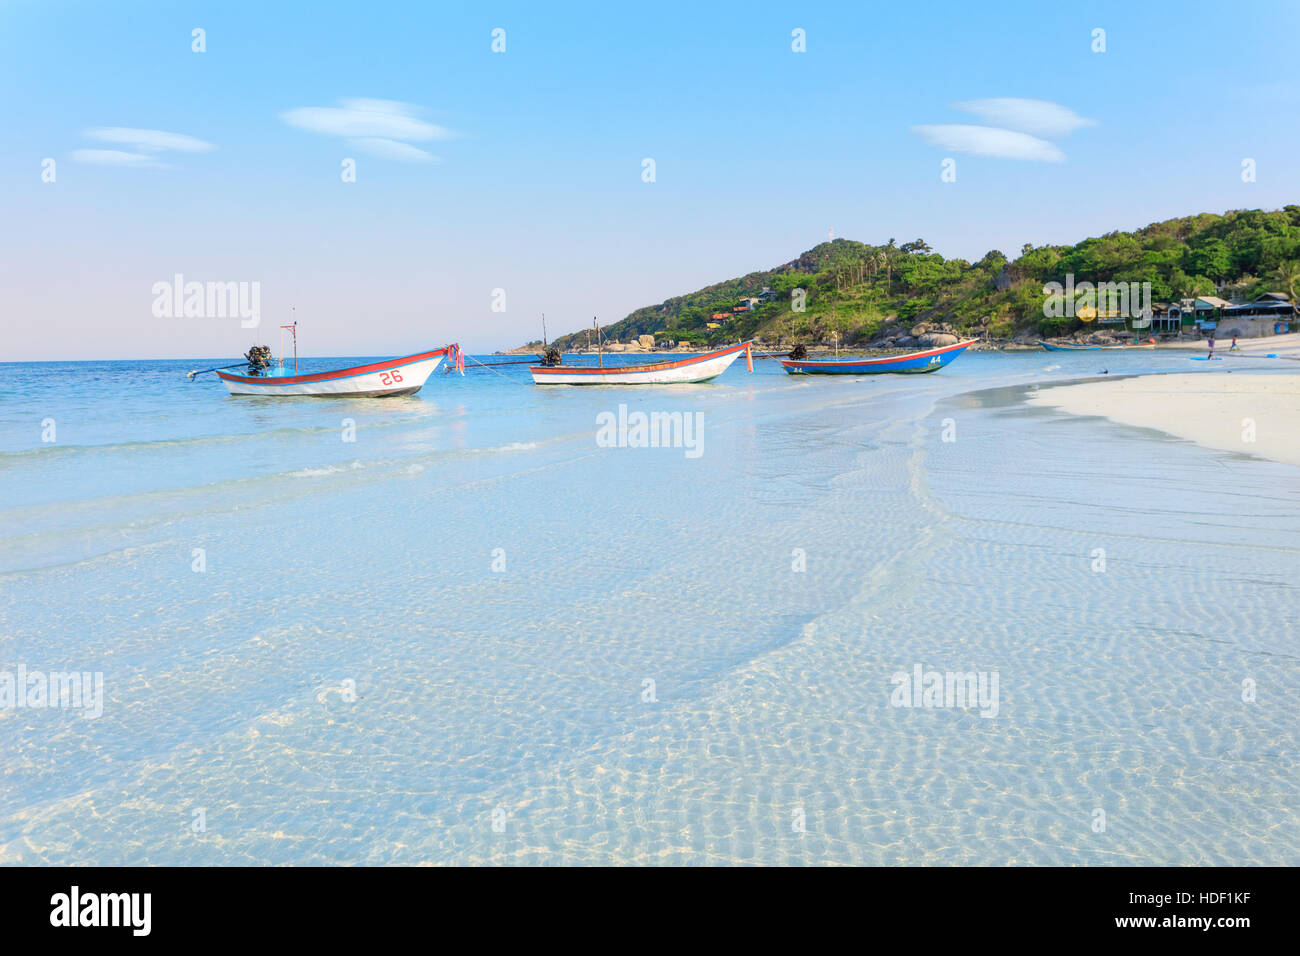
<point>1260,348</point>
<point>1252,414</point>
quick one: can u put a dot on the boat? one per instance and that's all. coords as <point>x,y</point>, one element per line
<point>1081,347</point>
<point>391,377</point>
<point>396,376</point>
<point>696,368</point>
<point>929,360</point>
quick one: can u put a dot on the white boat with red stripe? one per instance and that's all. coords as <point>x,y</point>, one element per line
<point>696,368</point>
<point>389,377</point>
<point>397,376</point>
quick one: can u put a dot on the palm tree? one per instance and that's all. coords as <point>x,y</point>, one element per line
<point>887,258</point>
<point>1288,274</point>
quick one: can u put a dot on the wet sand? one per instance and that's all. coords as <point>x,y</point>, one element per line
<point>1252,414</point>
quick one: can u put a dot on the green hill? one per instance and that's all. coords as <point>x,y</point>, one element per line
<point>860,290</point>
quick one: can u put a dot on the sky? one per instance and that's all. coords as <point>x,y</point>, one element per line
<point>494,185</point>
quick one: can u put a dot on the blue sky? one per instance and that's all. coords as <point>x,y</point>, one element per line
<point>537,187</point>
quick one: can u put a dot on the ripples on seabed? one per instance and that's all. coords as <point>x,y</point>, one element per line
<point>520,692</point>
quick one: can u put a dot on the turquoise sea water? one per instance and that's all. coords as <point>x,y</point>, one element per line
<point>473,634</point>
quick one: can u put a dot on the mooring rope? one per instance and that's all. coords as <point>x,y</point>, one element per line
<point>488,366</point>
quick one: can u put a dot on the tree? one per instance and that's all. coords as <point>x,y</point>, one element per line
<point>1288,274</point>
<point>887,255</point>
<point>1212,259</point>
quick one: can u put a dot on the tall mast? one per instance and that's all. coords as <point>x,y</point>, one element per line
<point>293,331</point>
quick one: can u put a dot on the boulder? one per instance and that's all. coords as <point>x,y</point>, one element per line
<point>920,329</point>
<point>937,339</point>
<point>905,341</point>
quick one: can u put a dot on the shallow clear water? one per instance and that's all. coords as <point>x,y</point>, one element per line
<point>499,589</point>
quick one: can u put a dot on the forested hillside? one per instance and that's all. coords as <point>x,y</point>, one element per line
<point>857,290</point>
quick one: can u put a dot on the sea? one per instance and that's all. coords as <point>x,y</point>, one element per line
<point>828,620</point>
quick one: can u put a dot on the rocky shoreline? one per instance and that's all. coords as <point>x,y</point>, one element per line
<point>893,338</point>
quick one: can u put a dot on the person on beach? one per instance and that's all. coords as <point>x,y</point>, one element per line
<point>1211,345</point>
<point>1233,347</point>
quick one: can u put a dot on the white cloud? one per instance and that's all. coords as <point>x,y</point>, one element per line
<point>367,119</point>
<point>1038,117</point>
<point>116,157</point>
<point>392,149</point>
<point>148,140</point>
<point>989,141</point>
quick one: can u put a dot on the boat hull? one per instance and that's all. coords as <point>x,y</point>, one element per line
<point>697,368</point>
<point>399,376</point>
<point>930,360</point>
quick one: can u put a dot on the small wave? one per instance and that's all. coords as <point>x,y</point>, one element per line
<point>327,470</point>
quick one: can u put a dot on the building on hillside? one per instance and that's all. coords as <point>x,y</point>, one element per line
<point>721,316</point>
<point>1206,310</point>
<point>1272,313</point>
<point>767,295</point>
<point>1166,318</point>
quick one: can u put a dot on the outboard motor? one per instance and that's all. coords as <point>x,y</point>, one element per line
<point>551,357</point>
<point>259,359</point>
<point>798,353</point>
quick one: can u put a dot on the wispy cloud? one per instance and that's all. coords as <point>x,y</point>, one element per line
<point>116,157</point>
<point>147,144</point>
<point>1021,126</point>
<point>1038,117</point>
<point>989,141</point>
<point>392,149</point>
<point>149,140</point>
<point>382,128</point>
